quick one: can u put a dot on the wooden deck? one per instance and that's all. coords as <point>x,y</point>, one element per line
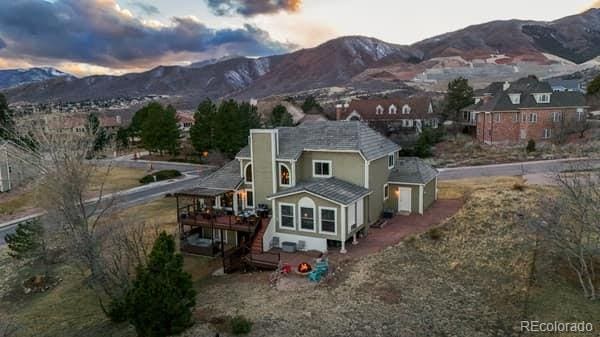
<point>224,222</point>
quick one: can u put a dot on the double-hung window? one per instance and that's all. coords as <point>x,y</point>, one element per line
<point>307,218</point>
<point>322,169</point>
<point>328,220</point>
<point>286,216</point>
<point>391,160</point>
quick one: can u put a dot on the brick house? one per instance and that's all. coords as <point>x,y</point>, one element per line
<point>412,113</point>
<point>512,113</point>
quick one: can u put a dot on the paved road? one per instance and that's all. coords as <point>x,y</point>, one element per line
<point>517,169</point>
<point>135,196</point>
<point>128,161</point>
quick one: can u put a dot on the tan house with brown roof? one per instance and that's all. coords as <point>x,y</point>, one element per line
<point>409,113</point>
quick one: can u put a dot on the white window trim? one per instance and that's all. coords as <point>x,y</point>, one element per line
<point>244,173</point>
<point>393,157</point>
<point>386,187</point>
<point>406,109</point>
<point>307,203</point>
<point>379,110</point>
<point>531,117</point>
<point>334,220</point>
<point>393,110</point>
<point>281,216</point>
<point>547,133</point>
<point>326,162</point>
<point>246,205</point>
<point>279,175</point>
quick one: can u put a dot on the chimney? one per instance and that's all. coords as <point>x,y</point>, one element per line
<point>506,86</point>
<point>338,112</point>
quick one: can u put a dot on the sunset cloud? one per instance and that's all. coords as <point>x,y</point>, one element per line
<point>253,7</point>
<point>101,33</point>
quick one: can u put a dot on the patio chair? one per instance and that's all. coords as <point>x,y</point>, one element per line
<point>301,245</point>
<point>274,242</point>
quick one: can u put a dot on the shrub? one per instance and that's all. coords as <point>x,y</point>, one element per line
<point>240,325</point>
<point>435,234</point>
<point>518,187</point>
<point>530,146</point>
<point>160,176</point>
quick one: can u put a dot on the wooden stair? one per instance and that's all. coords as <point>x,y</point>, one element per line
<point>257,241</point>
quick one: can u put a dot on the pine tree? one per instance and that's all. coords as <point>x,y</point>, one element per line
<point>26,241</point>
<point>161,299</point>
<point>7,124</point>
<point>159,130</point>
<point>280,117</point>
<point>458,97</point>
<point>202,132</point>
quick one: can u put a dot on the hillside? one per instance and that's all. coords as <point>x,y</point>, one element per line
<point>498,50</point>
<point>15,77</point>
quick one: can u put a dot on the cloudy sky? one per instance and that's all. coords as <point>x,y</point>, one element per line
<point>116,36</point>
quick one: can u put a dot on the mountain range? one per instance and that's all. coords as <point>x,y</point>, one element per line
<point>15,77</point>
<point>483,53</point>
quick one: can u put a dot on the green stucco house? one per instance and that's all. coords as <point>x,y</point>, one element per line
<point>324,182</point>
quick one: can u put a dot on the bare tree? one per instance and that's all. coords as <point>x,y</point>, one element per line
<point>7,329</point>
<point>107,249</point>
<point>569,220</point>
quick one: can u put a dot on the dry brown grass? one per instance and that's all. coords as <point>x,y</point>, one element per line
<point>17,201</point>
<point>118,179</point>
<point>463,188</point>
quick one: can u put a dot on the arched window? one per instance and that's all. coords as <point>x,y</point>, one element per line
<point>285,178</point>
<point>393,110</point>
<point>306,208</point>
<point>379,110</point>
<point>248,173</point>
<point>406,109</point>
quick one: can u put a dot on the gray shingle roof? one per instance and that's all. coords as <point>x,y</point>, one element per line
<point>411,170</point>
<point>333,189</point>
<point>500,101</point>
<point>333,136</point>
<point>226,178</point>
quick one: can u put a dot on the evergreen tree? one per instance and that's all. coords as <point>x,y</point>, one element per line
<point>159,130</point>
<point>594,86</point>
<point>161,299</point>
<point>458,97</point>
<point>7,124</point>
<point>228,127</point>
<point>140,116</point>
<point>310,105</point>
<point>26,241</point>
<point>94,129</point>
<point>280,117</point>
<point>122,138</point>
<point>202,132</point>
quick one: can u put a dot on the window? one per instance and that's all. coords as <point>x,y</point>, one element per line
<point>379,110</point>
<point>307,218</point>
<point>250,198</point>
<point>544,98</point>
<point>580,114</point>
<point>497,117</point>
<point>248,173</point>
<point>524,115</point>
<point>328,220</point>
<point>386,192</point>
<point>322,168</point>
<point>466,115</point>
<point>391,160</point>
<point>284,175</point>
<point>393,109</point>
<point>557,116</point>
<point>547,133</point>
<point>286,215</point>
<point>406,109</point>
<point>533,117</point>
<point>515,117</point>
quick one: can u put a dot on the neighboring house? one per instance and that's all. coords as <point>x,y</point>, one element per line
<point>78,124</point>
<point>567,85</point>
<point>185,120</point>
<point>13,171</point>
<point>324,182</point>
<point>412,113</point>
<point>512,113</point>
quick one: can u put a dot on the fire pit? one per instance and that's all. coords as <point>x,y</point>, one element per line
<point>304,268</point>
